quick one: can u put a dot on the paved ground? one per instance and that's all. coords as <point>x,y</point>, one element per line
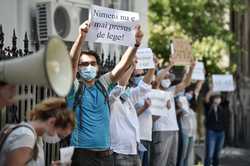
<point>230,156</point>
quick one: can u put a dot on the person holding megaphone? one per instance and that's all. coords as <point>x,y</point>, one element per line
<point>89,99</point>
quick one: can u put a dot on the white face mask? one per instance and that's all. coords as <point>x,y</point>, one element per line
<point>217,101</point>
<point>51,139</point>
<point>165,83</point>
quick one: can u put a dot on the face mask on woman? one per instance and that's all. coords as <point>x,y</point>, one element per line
<point>165,83</point>
<point>88,73</point>
<point>217,101</point>
<point>50,139</point>
<point>189,96</point>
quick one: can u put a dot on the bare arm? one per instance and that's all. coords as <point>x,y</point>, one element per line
<point>19,157</point>
<point>127,58</point>
<point>7,92</point>
<point>76,48</point>
<point>126,76</point>
<point>198,87</point>
<point>187,81</point>
<point>208,95</point>
<point>147,104</point>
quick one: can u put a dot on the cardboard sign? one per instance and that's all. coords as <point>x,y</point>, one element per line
<point>223,83</point>
<point>112,26</point>
<point>198,72</point>
<point>161,102</point>
<point>145,59</point>
<point>181,50</point>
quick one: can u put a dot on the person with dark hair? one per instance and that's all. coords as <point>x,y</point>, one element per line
<point>50,121</point>
<point>215,127</point>
<point>165,128</point>
<point>89,99</point>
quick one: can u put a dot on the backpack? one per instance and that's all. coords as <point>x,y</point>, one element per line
<point>8,129</point>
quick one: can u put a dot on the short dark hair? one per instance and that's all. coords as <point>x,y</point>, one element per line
<point>92,53</point>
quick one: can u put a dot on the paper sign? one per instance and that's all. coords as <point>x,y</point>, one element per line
<point>181,50</point>
<point>198,72</point>
<point>223,83</point>
<point>145,59</point>
<point>112,26</point>
<point>161,102</point>
<point>66,154</point>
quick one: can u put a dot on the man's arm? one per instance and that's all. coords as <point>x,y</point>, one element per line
<point>76,48</point>
<point>19,157</point>
<point>147,104</point>
<point>7,92</point>
<point>127,57</point>
<point>187,81</point>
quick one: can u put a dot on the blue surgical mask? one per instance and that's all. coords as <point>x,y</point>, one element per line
<point>88,73</point>
<point>125,95</point>
<point>137,80</point>
<point>189,96</point>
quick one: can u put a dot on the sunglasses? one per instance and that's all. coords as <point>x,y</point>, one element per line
<point>92,63</point>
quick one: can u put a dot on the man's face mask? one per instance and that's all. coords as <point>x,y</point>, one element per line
<point>88,72</point>
<point>165,83</point>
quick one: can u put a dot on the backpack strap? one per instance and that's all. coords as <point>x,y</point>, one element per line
<point>78,100</point>
<point>9,129</point>
<point>104,91</point>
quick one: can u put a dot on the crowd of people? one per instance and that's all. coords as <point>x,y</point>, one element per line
<point>109,117</point>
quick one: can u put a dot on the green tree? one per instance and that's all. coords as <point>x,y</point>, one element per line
<point>204,22</point>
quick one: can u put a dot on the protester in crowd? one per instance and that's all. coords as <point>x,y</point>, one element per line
<point>146,125</point>
<point>215,127</point>
<point>89,99</point>
<point>145,118</point>
<point>50,121</point>
<point>7,92</point>
<point>124,124</point>
<point>165,128</point>
<point>188,125</point>
<point>186,116</point>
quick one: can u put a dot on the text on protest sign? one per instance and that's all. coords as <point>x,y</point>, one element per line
<point>198,72</point>
<point>112,26</point>
<point>145,59</point>
<point>223,83</point>
<point>161,102</point>
<point>181,50</point>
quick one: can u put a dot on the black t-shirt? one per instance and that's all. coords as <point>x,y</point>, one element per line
<point>214,120</point>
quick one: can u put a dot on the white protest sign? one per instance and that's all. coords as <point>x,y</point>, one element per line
<point>161,102</point>
<point>145,59</point>
<point>181,50</point>
<point>66,154</point>
<point>198,72</point>
<point>223,83</point>
<point>112,26</point>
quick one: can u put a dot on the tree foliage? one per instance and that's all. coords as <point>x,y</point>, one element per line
<point>204,22</point>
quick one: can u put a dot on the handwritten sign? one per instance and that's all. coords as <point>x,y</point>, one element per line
<point>181,50</point>
<point>145,59</point>
<point>161,102</point>
<point>198,72</point>
<point>223,83</point>
<point>112,26</point>
<point>66,154</point>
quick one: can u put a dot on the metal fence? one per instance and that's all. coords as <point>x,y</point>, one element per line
<point>17,113</point>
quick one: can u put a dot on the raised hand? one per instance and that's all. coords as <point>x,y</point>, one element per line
<point>84,27</point>
<point>138,35</point>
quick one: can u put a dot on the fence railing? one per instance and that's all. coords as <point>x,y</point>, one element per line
<point>17,113</point>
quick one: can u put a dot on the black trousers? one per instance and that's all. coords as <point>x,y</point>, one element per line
<point>80,159</point>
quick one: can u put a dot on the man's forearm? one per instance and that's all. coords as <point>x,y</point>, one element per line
<point>75,52</point>
<point>124,63</point>
<point>148,77</point>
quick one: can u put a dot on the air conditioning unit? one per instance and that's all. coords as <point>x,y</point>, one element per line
<point>57,18</point>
